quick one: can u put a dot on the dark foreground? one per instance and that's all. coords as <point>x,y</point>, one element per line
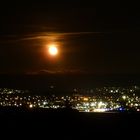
<point>68,123</point>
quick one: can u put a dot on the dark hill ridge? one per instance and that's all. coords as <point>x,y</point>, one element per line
<point>67,82</point>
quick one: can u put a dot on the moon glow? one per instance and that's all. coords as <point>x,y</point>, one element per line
<point>53,50</point>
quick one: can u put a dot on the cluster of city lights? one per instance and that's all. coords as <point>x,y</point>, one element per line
<point>111,99</point>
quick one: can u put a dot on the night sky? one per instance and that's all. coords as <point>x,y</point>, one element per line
<point>93,37</point>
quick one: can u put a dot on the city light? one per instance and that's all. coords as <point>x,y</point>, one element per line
<point>99,110</point>
<point>30,106</point>
<point>124,97</point>
<point>44,103</point>
<point>85,99</point>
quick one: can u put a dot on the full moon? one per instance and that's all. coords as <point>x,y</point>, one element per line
<point>53,50</point>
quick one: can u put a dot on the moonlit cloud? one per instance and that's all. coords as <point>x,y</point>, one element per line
<point>64,71</point>
<point>44,35</point>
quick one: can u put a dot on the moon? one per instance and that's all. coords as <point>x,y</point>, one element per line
<point>53,50</point>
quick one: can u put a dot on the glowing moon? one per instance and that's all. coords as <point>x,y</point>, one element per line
<point>53,50</point>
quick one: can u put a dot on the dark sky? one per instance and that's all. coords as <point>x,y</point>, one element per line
<point>93,37</point>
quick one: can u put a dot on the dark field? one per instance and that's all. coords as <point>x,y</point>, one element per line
<point>59,123</point>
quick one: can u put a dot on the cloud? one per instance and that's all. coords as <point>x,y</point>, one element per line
<point>43,35</point>
<point>51,72</point>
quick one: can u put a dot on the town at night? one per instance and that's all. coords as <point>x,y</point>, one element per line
<point>69,68</point>
<point>103,99</point>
